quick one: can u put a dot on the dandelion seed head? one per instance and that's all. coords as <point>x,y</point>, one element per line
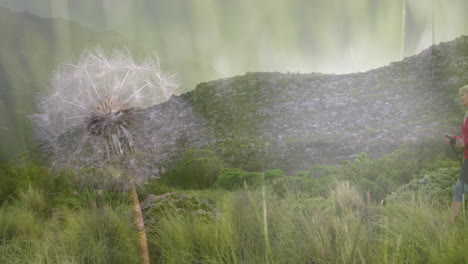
<point>90,116</point>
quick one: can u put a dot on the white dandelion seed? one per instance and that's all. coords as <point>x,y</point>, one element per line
<point>90,116</point>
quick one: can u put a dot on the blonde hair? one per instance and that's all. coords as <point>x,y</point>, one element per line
<point>464,89</point>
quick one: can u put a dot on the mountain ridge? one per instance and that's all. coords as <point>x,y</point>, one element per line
<point>294,121</point>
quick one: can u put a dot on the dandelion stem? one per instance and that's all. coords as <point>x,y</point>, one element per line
<point>140,226</point>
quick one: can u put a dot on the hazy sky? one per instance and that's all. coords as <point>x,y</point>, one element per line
<point>201,40</point>
<point>208,39</point>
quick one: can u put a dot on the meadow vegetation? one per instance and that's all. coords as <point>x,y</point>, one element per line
<point>389,210</point>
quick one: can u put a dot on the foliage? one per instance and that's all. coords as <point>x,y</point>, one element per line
<point>318,216</point>
<point>156,207</point>
<point>373,175</point>
<point>94,231</point>
<point>317,219</point>
<point>381,176</point>
<point>309,186</point>
<point>85,197</point>
<point>230,178</point>
<point>17,179</point>
<point>53,187</point>
<point>274,174</point>
<point>339,228</point>
<point>437,185</point>
<point>154,186</point>
<point>234,178</point>
<point>418,231</point>
<point>100,234</point>
<point>18,222</point>
<point>197,169</point>
<point>253,179</point>
<point>97,178</point>
<point>378,177</point>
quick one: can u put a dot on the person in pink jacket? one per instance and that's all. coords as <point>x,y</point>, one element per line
<point>462,143</point>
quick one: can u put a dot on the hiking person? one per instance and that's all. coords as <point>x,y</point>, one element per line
<point>460,142</point>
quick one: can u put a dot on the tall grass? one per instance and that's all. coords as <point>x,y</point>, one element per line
<point>100,234</point>
<point>345,228</point>
<point>342,226</point>
<point>419,231</point>
<point>94,232</point>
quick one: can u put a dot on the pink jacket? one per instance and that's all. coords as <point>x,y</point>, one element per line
<point>464,136</point>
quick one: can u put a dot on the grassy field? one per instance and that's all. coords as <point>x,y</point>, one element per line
<point>45,218</point>
<point>341,228</point>
<point>253,227</point>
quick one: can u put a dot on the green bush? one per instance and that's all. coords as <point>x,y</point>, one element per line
<point>154,186</point>
<point>436,185</point>
<point>197,169</point>
<point>308,186</point>
<point>15,180</point>
<point>19,223</point>
<point>98,178</point>
<point>253,179</point>
<point>379,177</point>
<point>33,200</point>
<point>419,231</point>
<point>303,174</point>
<point>274,174</point>
<point>90,197</point>
<point>100,234</point>
<point>230,179</point>
<point>157,206</point>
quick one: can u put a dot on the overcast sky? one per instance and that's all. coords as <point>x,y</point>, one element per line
<point>210,39</point>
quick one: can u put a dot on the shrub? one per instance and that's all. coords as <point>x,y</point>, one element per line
<point>436,185</point>
<point>303,174</point>
<point>19,223</point>
<point>90,197</point>
<point>197,169</point>
<point>274,174</point>
<point>419,231</point>
<point>33,200</point>
<point>381,176</point>
<point>308,186</point>
<point>253,179</point>
<point>97,178</point>
<point>347,197</point>
<point>100,234</point>
<point>169,204</point>
<point>15,180</point>
<point>154,186</point>
<point>230,179</point>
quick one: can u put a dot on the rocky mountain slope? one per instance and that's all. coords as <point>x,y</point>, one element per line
<point>292,121</point>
